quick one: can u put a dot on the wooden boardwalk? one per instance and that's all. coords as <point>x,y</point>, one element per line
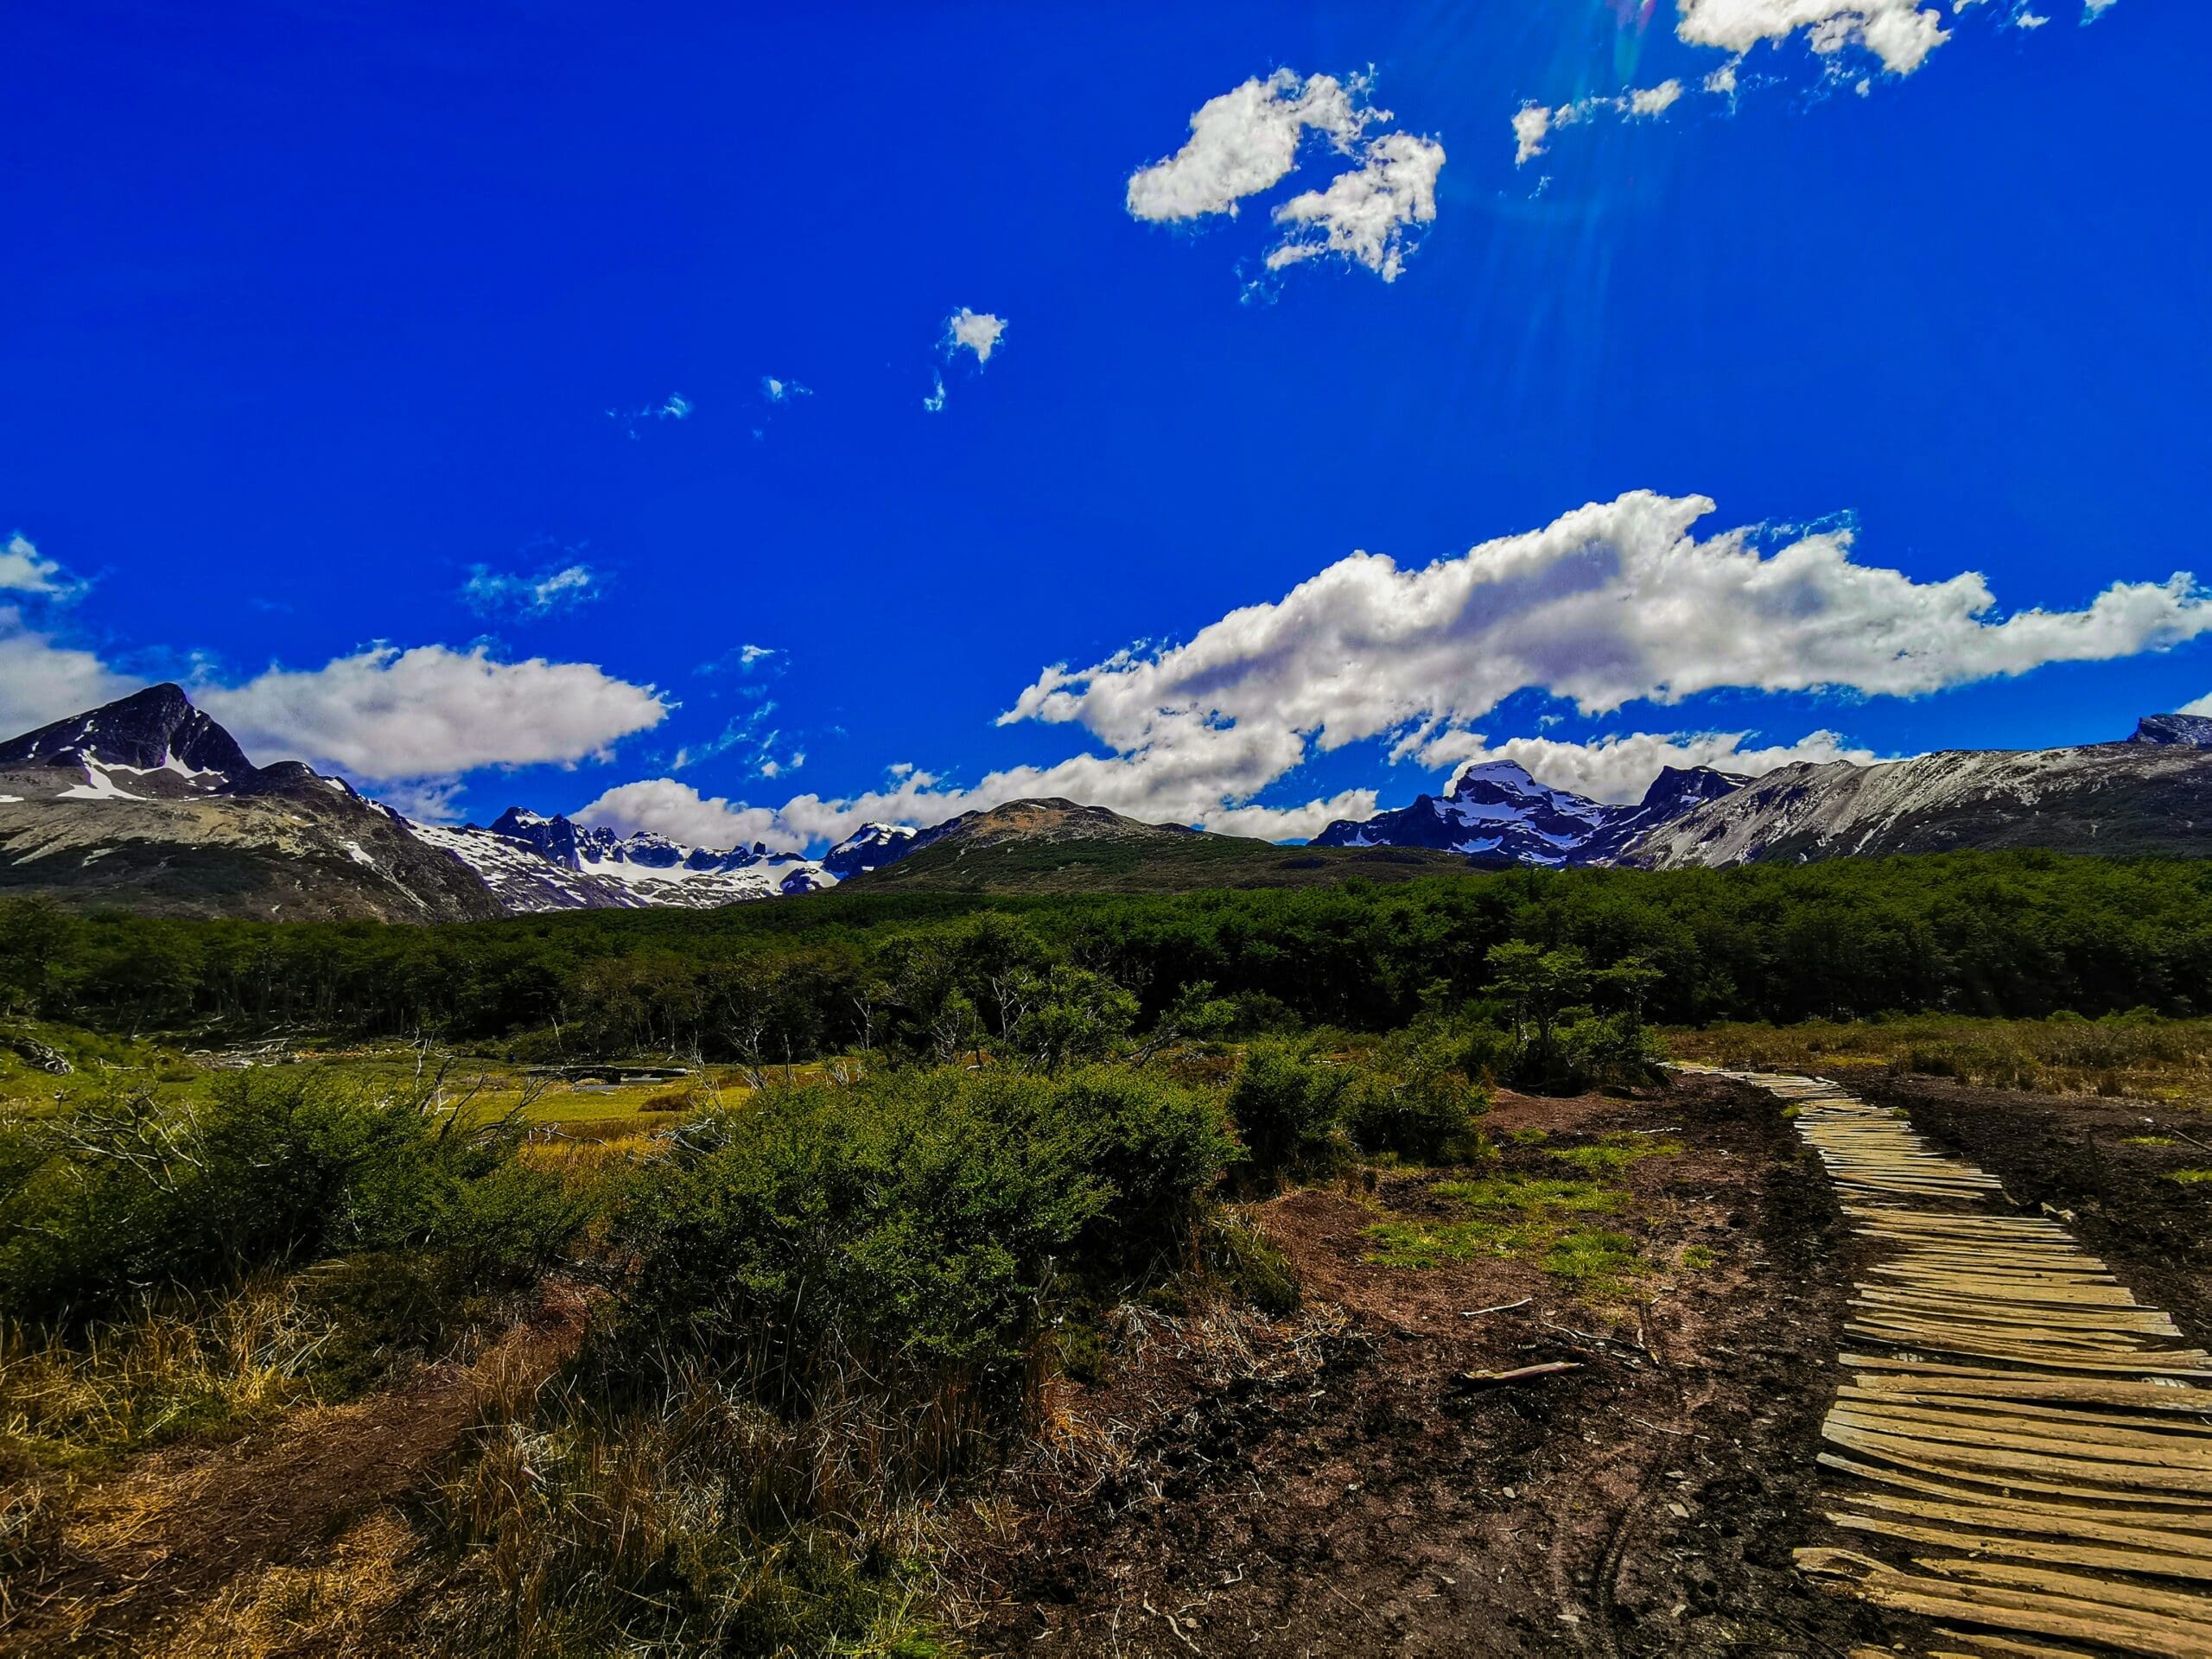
<point>2025,1447</point>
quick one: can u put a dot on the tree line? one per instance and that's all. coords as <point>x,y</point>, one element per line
<point>2017,934</point>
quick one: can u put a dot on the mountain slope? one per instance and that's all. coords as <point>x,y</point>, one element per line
<point>1057,846</point>
<point>537,863</point>
<point>1496,810</point>
<point>2152,795</point>
<point>147,805</point>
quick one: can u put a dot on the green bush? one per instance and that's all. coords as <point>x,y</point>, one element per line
<point>1285,1109</point>
<point>1418,1110</point>
<point>912,1224</point>
<point>130,1195</point>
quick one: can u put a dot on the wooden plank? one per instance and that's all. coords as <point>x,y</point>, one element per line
<point>1937,1396</point>
<point>2069,1553</point>
<point>2132,1507</point>
<point>2051,1520</point>
<point>1878,1370</point>
<point>1931,1427</point>
<point>2021,1471</point>
<point>2113,1592</point>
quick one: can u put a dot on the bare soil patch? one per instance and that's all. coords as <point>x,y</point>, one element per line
<point>1341,1482</point>
<point>144,1552</point>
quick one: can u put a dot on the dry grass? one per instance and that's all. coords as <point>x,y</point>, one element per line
<point>2135,1055</point>
<point>198,1366</point>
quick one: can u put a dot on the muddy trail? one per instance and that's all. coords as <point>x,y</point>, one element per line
<point>146,1552</point>
<point>1352,1481</point>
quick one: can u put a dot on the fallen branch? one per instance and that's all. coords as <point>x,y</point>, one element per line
<point>1502,1307</point>
<point>1525,1374</point>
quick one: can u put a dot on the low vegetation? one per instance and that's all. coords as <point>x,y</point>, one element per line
<point>2135,1053</point>
<point>718,1263</point>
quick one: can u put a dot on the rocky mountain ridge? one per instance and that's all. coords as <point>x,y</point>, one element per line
<point>149,804</point>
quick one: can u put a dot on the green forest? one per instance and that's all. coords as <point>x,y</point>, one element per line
<point>2018,935</point>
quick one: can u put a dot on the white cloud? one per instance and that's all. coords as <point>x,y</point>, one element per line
<point>1722,81</point>
<point>529,598</point>
<point>1364,214</point>
<point>782,392</point>
<point>24,569</point>
<point>2203,704</point>
<point>2093,9</point>
<point>674,407</point>
<point>1619,766</point>
<point>977,331</point>
<point>1613,603</point>
<point>935,401</point>
<point>1246,141</point>
<point>681,813</point>
<point>1532,124</point>
<point>42,680</point>
<point>1901,32</point>
<point>432,711</point>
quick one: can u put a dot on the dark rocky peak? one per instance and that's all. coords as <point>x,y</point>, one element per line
<point>2184,731</point>
<point>554,837</point>
<point>152,730</point>
<point>870,847</point>
<point>1495,782</point>
<point>293,778</point>
<point>1684,787</point>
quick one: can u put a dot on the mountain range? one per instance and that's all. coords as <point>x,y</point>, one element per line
<point>148,803</point>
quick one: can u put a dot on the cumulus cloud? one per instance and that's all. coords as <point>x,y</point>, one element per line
<point>1247,141</point>
<point>1533,124</point>
<point>1614,603</point>
<point>782,392</point>
<point>529,598</point>
<point>2201,706</point>
<point>42,680</point>
<point>24,569</point>
<point>1364,214</point>
<point>1901,32</point>
<point>667,807</point>
<point>1619,766</point>
<point>976,331</point>
<point>384,713</point>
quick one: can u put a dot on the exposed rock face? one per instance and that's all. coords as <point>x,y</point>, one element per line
<point>148,805</point>
<point>2136,798</point>
<point>1496,810</point>
<point>534,863</point>
<point>2191,731</point>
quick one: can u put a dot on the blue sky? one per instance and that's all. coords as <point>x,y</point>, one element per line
<point>395,376</point>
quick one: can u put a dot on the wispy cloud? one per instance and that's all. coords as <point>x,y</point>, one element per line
<point>24,569</point>
<point>533,597</point>
<point>674,407</point>
<point>1534,125</point>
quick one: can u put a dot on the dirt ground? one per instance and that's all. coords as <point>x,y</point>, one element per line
<point>1340,1485</point>
<point>147,1552</point>
<point>1343,1480</point>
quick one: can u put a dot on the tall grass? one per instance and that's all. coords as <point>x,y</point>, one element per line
<point>2139,1055</point>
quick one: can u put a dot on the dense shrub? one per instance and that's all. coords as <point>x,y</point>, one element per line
<point>1286,1109</point>
<point>279,1165</point>
<point>909,1224</point>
